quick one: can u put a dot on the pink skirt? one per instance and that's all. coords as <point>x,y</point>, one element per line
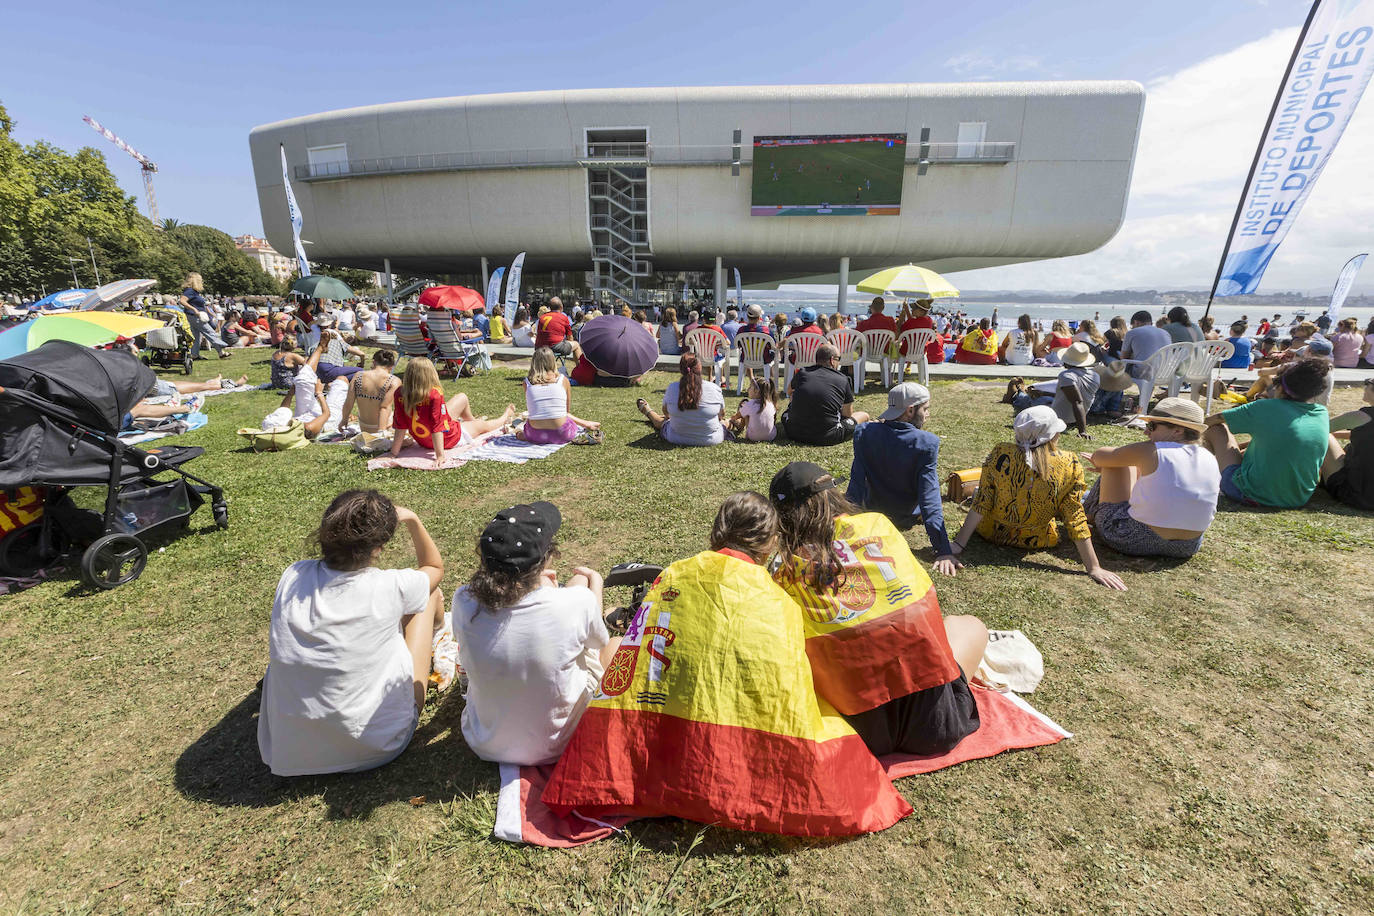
<point>565,433</point>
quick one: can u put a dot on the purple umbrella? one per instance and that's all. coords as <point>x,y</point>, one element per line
<point>619,346</point>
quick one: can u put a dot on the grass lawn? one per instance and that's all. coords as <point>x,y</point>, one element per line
<point>1222,710</point>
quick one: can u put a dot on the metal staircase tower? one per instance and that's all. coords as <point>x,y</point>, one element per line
<point>617,164</point>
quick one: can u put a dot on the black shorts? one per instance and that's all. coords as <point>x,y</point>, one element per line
<point>562,348</point>
<point>1339,487</point>
<point>840,432</point>
<point>930,721</point>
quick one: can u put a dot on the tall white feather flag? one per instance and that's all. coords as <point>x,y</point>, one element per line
<point>295,211</point>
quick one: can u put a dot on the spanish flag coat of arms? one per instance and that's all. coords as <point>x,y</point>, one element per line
<point>708,712</point>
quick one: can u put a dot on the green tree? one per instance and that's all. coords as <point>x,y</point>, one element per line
<point>362,282</point>
<point>225,269</point>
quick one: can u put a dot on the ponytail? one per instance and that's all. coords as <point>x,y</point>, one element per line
<point>689,387</point>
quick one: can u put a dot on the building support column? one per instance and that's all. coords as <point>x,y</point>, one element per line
<point>842,298</point>
<point>390,281</point>
<point>720,286</point>
<point>486,277</point>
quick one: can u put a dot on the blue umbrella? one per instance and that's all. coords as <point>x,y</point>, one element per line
<point>67,299</point>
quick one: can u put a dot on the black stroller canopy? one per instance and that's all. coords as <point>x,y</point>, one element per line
<point>99,386</point>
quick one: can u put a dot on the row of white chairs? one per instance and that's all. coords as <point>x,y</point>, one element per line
<point>1173,366</point>
<point>751,351</point>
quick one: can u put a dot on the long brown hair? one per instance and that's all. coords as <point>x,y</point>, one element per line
<point>689,386</point>
<point>807,534</point>
<point>746,522</point>
<point>356,523</point>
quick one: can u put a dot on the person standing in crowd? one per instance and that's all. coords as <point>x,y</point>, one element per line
<point>1156,498</point>
<point>821,410</point>
<point>1289,436</point>
<point>194,306</point>
<point>896,469</point>
<point>555,330</point>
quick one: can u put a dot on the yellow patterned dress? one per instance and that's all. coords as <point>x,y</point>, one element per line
<point>1020,508</point>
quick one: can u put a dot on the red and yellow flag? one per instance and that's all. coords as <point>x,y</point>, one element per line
<point>879,636</point>
<point>708,712</point>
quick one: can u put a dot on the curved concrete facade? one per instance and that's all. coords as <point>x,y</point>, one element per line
<point>435,185</point>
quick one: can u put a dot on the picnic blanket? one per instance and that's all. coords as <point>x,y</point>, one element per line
<point>489,447</point>
<point>1008,723</point>
<point>190,421</point>
<point>215,392</point>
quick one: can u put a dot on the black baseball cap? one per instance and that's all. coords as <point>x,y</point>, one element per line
<point>799,480</point>
<point>519,538</point>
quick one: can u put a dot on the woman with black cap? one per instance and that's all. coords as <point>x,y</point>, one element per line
<point>533,650</point>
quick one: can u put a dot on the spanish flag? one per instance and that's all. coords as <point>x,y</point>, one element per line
<point>879,635</point>
<point>708,712</point>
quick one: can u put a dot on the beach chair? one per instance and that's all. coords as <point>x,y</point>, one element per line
<point>879,342</point>
<point>1160,369</point>
<point>751,346</point>
<point>914,342</point>
<point>1197,368</point>
<point>410,340</point>
<point>853,352</point>
<point>799,351</point>
<point>707,343</point>
<point>454,352</point>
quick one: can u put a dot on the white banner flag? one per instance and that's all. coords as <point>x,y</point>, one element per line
<point>494,291</point>
<point>1329,70</point>
<point>1343,284</point>
<point>513,287</point>
<point>739,292</point>
<point>295,211</point>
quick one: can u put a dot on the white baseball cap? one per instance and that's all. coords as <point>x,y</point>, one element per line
<point>907,394</point>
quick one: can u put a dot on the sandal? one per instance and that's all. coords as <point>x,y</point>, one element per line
<point>587,436</point>
<point>643,406</point>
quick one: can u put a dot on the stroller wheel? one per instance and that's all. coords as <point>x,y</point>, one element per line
<point>19,552</point>
<point>147,358</point>
<point>113,560</point>
<point>188,366</point>
<point>221,513</point>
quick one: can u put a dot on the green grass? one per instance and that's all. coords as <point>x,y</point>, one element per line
<point>831,173</point>
<point>1221,707</point>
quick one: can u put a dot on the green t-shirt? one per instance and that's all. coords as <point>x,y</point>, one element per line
<point>1288,443</point>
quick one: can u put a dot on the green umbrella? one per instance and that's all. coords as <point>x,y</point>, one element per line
<point>319,287</point>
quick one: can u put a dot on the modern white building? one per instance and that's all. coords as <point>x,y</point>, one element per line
<point>260,250</point>
<point>642,183</point>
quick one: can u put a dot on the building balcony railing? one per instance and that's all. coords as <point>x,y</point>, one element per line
<point>988,152</point>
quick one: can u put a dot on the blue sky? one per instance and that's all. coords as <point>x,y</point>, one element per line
<point>184,83</point>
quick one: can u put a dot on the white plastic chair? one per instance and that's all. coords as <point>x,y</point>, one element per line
<point>706,343</point>
<point>1198,367</point>
<point>800,352</point>
<point>914,342</point>
<point>1160,369</point>
<point>878,342</point>
<point>853,352</point>
<point>750,347</point>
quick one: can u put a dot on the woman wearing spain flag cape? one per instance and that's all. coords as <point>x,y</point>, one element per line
<point>708,710</point>
<point>879,649</point>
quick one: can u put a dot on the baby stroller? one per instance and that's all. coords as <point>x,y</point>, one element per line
<point>61,409</point>
<point>170,345</point>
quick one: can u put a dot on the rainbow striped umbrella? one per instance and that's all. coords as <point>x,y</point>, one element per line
<point>90,329</point>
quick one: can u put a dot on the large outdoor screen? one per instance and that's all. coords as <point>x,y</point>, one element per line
<point>829,175</point>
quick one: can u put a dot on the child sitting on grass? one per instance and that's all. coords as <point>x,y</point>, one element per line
<point>533,651</point>
<point>421,411</point>
<point>755,419</point>
<point>351,644</point>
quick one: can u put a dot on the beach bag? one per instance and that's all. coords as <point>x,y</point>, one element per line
<point>962,485</point>
<point>19,507</point>
<point>372,443</point>
<point>276,440</point>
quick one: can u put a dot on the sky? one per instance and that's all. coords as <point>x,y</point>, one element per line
<point>185,83</point>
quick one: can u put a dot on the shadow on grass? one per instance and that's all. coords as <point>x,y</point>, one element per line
<point>223,767</point>
<point>653,442</point>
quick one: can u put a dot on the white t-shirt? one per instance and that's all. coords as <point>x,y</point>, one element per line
<point>339,693</point>
<point>346,318</point>
<point>523,337</point>
<point>307,405</point>
<point>532,668</point>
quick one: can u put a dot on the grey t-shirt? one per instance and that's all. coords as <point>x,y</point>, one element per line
<point>1087,383</point>
<point>1141,343</point>
<point>701,426</point>
<point>1179,333</point>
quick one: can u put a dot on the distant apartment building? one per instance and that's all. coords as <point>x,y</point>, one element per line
<point>268,258</point>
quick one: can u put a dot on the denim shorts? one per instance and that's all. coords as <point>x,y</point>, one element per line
<point>1229,488</point>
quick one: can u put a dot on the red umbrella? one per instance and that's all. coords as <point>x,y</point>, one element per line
<point>457,298</point>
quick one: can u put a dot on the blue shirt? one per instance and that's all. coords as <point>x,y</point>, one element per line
<point>1241,358</point>
<point>483,324</point>
<point>731,328</point>
<point>895,472</point>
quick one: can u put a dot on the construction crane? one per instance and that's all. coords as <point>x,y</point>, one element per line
<point>149,167</point>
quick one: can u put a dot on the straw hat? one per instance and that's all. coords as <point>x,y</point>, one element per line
<point>1114,376</point>
<point>1178,412</point>
<point>1078,355</point>
<point>364,312</point>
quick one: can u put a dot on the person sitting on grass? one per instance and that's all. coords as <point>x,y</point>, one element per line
<point>693,408</point>
<point>1289,438</point>
<point>1316,347</point>
<point>305,399</point>
<point>548,394</point>
<point>895,469</point>
<point>1028,486</point>
<point>351,645</point>
<point>533,650</point>
<point>421,413</point>
<point>1158,497</point>
<point>755,420</point>
<point>821,410</point>
<point>1074,390</point>
<point>880,652</point>
<point>372,394</point>
<point>1348,473</point>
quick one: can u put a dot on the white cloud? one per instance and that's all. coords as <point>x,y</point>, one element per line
<point>1198,136</point>
<point>981,66</point>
